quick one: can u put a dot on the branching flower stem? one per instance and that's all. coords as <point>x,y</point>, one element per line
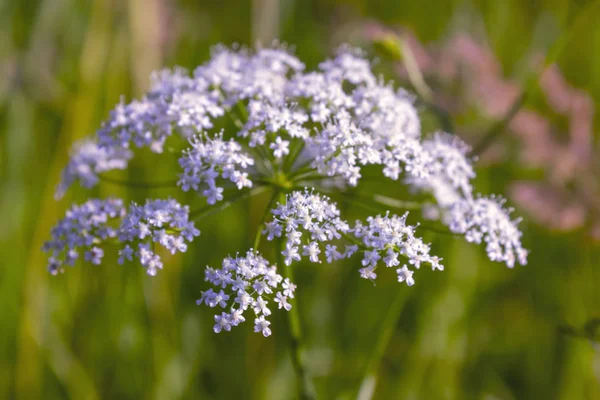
<point>215,208</point>
<point>381,200</point>
<point>302,382</point>
<point>270,204</point>
<point>139,185</point>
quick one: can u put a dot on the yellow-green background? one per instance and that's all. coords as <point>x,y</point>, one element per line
<point>478,330</point>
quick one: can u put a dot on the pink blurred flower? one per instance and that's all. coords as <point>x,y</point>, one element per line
<point>465,76</point>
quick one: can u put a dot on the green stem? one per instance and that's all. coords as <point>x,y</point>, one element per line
<point>382,342</point>
<point>242,110</point>
<point>220,206</point>
<point>353,240</point>
<point>139,185</point>
<point>293,156</point>
<point>435,229</point>
<point>414,72</point>
<point>302,169</point>
<point>397,48</point>
<point>444,118</point>
<point>302,382</point>
<point>391,202</point>
<point>261,225</point>
<point>381,200</point>
<point>499,127</point>
<point>313,178</point>
<point>355,197</point>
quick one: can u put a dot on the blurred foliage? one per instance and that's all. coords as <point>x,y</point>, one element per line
<point>477,330</point>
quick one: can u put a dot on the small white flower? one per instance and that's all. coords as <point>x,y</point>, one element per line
<point>291,254</point>
<point>236,317</point>
<point>219,299</point>
<point>280,147</point>
<point>371,258</point>
<point>244,300</point>
<point>125,254</point>
<point>368,272</point>
<point>261,286</point>
<point>260,306</point>
<point>312,251</point>
<point>435,263</point>
<point>391,259</point>
<point>222,321</point>
<point>405,275</point>
<point>331,253</point>
<point>262,325</point>
<point>288,288</point>
<point>283,302</point>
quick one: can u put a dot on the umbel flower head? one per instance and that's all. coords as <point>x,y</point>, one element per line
<point>303,135</point>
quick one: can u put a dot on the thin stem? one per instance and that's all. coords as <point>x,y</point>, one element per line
<point>302,169</point>
<point>243,111</point>
<point>444,118</point>
<point>385,335</point>
<point>442,231</point>
<point>293,156</point>
<point>310,177</point>
<point>378,199</point>
<point>381,200</point>
<point>261,166</point>
<point>214,208</point>
<point>499,127</point>
<point>366,207</point>
<point>414,72</point>
<point>391,202</point>
<point>397,48</point>
<point>353,240</point>
<point>261,225</point>
<point>302,382</point>
<point>138,185</point>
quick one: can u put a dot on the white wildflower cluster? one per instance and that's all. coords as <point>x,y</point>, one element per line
<point>291,129</point>
<point>341,149</point>
<point>450,169</point>
<point>311,214</point>
<point>83,228</point>
<point>485,219</point>
<point>245,283</point>
<point>310,225</point>
<point>175,103</point>
<point>324,96</point>
<point>371,123</point>
<point>386,238</point>
<point>266,119</point>
<point>210,159</point>
<point>96,222</point>
<point>386,112</point>
<point>478,218</point>
<point>165,222</point>
<point>350,65</point>
<point>240,74</point>
<point>87,161</point>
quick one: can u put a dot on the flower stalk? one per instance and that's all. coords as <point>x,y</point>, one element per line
<point>294,326</point>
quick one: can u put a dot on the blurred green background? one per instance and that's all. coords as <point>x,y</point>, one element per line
<point>476,331</point>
